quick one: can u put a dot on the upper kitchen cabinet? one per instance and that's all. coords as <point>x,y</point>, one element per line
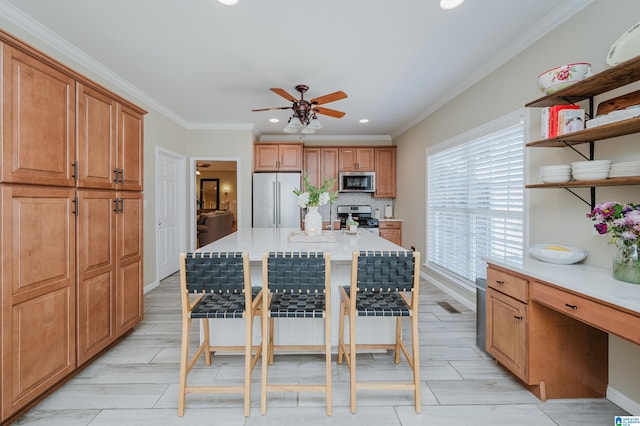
<point>385,168</point>
<point>96,139</point>
<point>356,159</point>
<point>38,121</point>
<point>129,148</point>
<point>278,157</point>
<point>321,164</point>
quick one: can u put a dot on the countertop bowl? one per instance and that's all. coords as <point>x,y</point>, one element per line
<point>557,253</point>
<point>560,77</point>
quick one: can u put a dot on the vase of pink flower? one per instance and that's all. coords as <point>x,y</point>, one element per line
<point>623,222</point>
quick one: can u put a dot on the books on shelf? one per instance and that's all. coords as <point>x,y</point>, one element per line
<point>561,119</point>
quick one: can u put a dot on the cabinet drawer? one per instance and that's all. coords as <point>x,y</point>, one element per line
<point>511,285</point>
<point>383,224</point>
<point>600,316</point>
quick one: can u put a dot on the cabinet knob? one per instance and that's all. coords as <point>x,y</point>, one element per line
<point>500,282</point>
<point>519,318</point>
<point>574,307</point>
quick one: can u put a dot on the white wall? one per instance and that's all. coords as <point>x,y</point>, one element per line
<point>554,215</point>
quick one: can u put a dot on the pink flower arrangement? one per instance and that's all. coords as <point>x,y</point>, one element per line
<point>621,220</point>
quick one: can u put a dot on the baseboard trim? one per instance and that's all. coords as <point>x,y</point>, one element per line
<point>151,286</point>
<point>623,401</point>
<point>448,290</point>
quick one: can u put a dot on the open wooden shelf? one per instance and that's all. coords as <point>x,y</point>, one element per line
<point>609,79</point>
<point>618,181</point>
<point>606,131</point>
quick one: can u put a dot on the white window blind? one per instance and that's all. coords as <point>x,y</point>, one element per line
<point>475,202</point>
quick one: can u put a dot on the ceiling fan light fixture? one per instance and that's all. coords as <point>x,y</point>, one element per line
<point>307,130</point>
<point>314,124</point>
<point>290,129</point>
<point>295,122</point>
<point>228,2</point>
<point>450,4</point>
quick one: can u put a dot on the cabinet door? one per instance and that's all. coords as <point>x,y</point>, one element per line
<point>356,159</point>
<point>329,165</point>
<point>129,148</point>
<point>96,139</point>
<point>393,235</point>
<point>507,332</point>
<point>38,121</point>
<point>265,157</point>
<point>96,259</point>
<point>385,168</point>
<point>129,261</point>
<point>290,158</point>
<point>38,319</point>
<point>313,166</point>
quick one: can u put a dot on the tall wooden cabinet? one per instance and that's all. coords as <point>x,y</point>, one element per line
<point>71,222</point>
<point>321,164</point>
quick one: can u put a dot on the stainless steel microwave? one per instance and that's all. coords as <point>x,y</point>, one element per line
<point>357,181</point>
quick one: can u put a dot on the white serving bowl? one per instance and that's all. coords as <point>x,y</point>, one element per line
<point>556,178</point>
<point>560,77</point>
<point>556,253</point>
<point>591,163</point>
<point>559,168</point>
<point>591,175</point>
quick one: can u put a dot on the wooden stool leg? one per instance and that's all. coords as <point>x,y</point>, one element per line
<point>265,362</point>
<point>248,352</point>
<point>327,340</point>
<point>398,338</point>
<point>341,333</point>
<point>206,343</point>
<point>184,360</point>
<point>352,361</point>
<point>415,348</point>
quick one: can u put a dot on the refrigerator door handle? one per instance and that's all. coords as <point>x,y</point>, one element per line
<point>275,203</point>
<point>279,219</point>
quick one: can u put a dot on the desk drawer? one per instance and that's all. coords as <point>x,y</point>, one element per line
<point>600,316</point>
<point>384,224</point>
<point>508,284</point>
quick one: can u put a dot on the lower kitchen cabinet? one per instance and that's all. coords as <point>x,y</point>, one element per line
<point>391,230</point>
<point>72,283</point>
<point>553,354</point>
<point>38,311</point>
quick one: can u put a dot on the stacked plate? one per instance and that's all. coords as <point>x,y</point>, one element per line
<point>629,168</point>
<point>591,170</point>
<point>555,174</point>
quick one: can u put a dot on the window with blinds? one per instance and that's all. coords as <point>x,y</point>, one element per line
<point>475,202</point>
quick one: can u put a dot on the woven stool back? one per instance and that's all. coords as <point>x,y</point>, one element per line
<point>385,271</point>
<point>298,272</point>
<point>214,272</point>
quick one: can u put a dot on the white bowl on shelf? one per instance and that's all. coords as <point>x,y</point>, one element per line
<point>556,178</point>
<point>590,164</point>
<point>556,253</point>
<point>591,175</point>
<point>560,77</point>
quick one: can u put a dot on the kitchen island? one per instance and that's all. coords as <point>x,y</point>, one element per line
<point>256,241</point>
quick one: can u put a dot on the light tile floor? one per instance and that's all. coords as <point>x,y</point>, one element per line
<point>136,382</point>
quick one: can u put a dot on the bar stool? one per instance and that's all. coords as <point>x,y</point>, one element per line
<point>222,285</point>
<point>380,284</point>
<point>295,285</point>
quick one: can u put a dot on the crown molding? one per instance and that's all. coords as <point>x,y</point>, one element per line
<point>327,138</point>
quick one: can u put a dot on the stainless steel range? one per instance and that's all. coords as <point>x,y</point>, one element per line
<point>361,214</point>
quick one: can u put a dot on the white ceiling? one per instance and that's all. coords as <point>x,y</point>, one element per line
<point>207,65</point>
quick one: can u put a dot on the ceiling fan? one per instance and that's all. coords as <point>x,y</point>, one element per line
<point>304,111</point>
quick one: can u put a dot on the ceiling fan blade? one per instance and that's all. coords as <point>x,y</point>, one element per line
<point>331,97</point>
<point>284,94</point>
<point>329,112</point>
<point>268,109</point>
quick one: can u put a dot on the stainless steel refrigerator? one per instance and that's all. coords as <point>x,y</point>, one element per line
<point>274,203</point>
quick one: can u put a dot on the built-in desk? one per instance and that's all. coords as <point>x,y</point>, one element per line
<point>548,324</point>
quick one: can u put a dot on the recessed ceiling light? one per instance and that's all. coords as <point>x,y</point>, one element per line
<point>447,4</point>
<point>273,120</point>
<point>364,120</point>
<point>228,2</point>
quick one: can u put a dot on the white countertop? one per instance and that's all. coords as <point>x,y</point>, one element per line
<point>589,280</point>
<point>256,241</point>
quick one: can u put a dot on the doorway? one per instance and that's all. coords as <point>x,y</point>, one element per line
<point>216,186</point>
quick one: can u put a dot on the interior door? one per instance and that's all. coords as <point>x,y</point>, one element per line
<point>169,182</point>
